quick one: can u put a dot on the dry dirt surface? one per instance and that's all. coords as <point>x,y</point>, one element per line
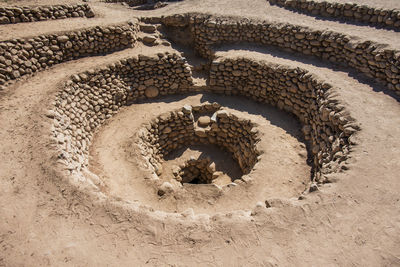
<point>270,214</point>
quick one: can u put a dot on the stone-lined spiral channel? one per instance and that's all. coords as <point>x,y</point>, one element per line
<point>90,98</point>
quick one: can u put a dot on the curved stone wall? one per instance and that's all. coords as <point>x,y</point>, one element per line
<point>88,99</point>
<point>327,126</point>
<point>195,171</point>
<point>205,31</point>
<point>129,2</point>
<point>388,18</point>
<point>17,14</point>
<point>184,127</point>
<point>19,57</point>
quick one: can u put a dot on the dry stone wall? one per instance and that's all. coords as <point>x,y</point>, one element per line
<point>206,31</point>
<point>388,18</point>
<point>89,98</point>
<point>196,171</point>
<point>19,57</point>
<point>180,128</point>
<point>38,13</point>
<point>129,2</point>
<point>327,125</point>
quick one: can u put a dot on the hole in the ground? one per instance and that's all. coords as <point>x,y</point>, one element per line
<point>200,145</point>
<point>196,171</point>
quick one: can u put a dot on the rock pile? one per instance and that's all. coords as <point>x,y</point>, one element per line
<point>20,57</point>
<point>39,13</point>
<point>389,18</point>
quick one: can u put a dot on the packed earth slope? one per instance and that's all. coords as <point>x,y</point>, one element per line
<point>80,185</point>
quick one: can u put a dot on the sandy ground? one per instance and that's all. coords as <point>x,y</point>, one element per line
<point>354,221</point>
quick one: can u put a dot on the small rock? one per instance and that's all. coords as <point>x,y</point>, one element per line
<point>313,187</point>
<point>4,20</point>
<point>200,132</point>
<point>204,121</point>
<point>148,39</point>
<point>151,92</point>
<point>300,36</point>
<point>222,114</point>
<point>89,13</point>
<point>236,73</point>
<point>149,82</point>
<point>62,39</point>
<point>165,188</point>
<point>148,28</point>
<point>187,109</point>
<point>167,130</point>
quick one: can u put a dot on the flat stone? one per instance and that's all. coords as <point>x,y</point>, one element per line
<point>200,132</point>
<point>236,73</point>
<point>300,36</point>
<point>148,28</point>
<point>204,121</point>
<point>167,130</point>
<point>62,39</point>
<point>148,39</point>
<point>149,82</point>
<point>222,114</point>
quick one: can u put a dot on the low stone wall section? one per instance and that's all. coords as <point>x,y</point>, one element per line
<point>198,170</point>
<point>88,99</point>
<point>327,125</point>
<point>129,2</point>
<point>19,57</point>
<point>352,12</point>
<point>206,31</point>
<point>17,14</point>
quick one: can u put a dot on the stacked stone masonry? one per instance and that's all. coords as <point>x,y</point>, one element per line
<point>179,128</point>
<point>196,171</point>
<point>88,99</point>
<point>367,57</point>
<point>38,13</point>
<point>19,57</point>
<point>388,18</point>
<point>129,2</point>
<point>327,125</point>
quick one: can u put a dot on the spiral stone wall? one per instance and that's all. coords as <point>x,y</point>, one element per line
<point>205,31</point>
<point>389,18</point>
<point>17,14</point>
<point>19,57</point>
<point>88,99</point>
<point>327,125</point>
